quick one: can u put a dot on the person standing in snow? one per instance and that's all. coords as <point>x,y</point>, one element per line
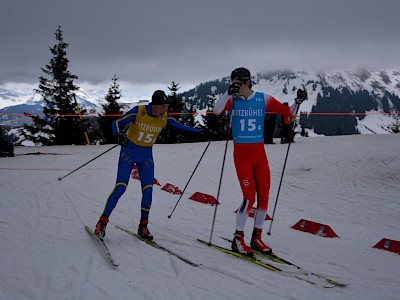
<point>145,124</point>
<point>287,131</point>
<point>269,128</point>
<point>248,109</point>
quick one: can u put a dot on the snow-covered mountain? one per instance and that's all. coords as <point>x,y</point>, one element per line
<point>372,95</point>
<point>284,84</point>
<point>14,102</point>
<point>382,86</point>
<point>14,97</point>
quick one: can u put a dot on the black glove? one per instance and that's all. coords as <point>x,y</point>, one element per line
<point>122,140</point>
<point>301,96</point>
<point>233,88</point>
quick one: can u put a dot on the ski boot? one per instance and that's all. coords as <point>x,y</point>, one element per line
<point>143,231</point>
<point>101,226</point>
<point>239,246</point>
<point>257,243</point>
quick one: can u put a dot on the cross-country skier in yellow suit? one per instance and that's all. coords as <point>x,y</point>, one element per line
<point>145,124</point>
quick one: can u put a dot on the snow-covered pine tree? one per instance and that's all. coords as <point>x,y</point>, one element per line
<point>176,103</point>
<point>216,127</point>
<point>190,120</point>
<point>190,115</point>
<point>171,135</point>
<point>60,125</point>
<point>111,111</point>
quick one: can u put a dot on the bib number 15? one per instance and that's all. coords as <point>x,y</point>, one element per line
<point>248,124</point>
<point>148,138</point>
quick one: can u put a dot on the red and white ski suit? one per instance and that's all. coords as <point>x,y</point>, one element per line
<point>250,158</point>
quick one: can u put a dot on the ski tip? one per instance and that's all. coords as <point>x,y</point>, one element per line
<point>338,284</point>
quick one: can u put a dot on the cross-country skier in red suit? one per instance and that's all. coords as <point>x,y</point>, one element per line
<point>249,155</point>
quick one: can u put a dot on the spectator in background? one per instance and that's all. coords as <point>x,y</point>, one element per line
<point>269,128</point>
<point>287,130</point>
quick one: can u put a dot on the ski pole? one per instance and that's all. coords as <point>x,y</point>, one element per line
<point>169,217</point>
<point>284,164</point>
<point>61,178</point>
<point>222,170</point>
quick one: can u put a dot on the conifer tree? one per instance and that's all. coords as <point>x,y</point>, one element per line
<point>171,135</point>
<point>111,111</point>
<point>190,120</point>
<point>216,126</point>
<point>190,115</point>
<point>176,103</point>
<point>61,125</point>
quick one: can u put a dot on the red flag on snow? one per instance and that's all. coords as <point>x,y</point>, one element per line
<point>204,198</point>
<point>170,188</point>
<point>388,245</point>
<point>315,228</point>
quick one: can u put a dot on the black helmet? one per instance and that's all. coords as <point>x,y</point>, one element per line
<point>159,98</point>
<point>241,74</point>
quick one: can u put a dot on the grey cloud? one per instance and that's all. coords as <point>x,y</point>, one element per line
<point>193,41</point>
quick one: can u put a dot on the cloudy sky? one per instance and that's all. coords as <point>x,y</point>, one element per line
<point>148,44</point>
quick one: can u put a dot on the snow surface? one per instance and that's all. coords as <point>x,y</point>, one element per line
<point>348,182</point>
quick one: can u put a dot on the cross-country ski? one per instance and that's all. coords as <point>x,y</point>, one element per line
<point>157,246</point>
<point>102,246</point>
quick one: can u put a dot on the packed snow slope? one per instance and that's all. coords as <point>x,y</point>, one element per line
<point>348,182</point>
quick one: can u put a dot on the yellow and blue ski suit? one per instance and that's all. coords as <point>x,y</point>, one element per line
<point>142,133</point>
